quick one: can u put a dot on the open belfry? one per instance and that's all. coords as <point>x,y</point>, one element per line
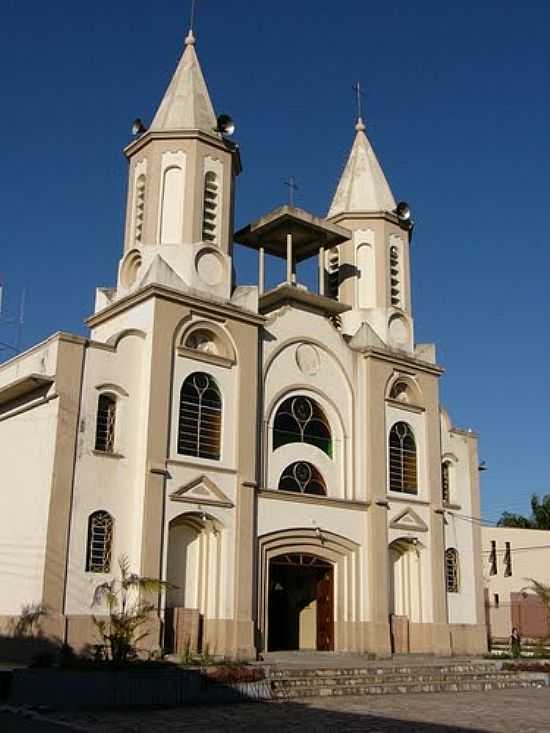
<point>280,456</point>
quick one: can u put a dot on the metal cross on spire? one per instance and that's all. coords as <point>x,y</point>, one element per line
<point>192,16</point>
<point>292,187</point>
<point>360,96</point>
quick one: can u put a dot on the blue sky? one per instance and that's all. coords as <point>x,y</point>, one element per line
<point>457,106</point>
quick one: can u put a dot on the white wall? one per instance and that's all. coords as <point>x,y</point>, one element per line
<point>104,482</point>
<point>27,443</point>
<point>459,530</point>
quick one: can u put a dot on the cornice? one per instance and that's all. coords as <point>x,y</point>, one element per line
<point>149,136</point>
<point>402,360</point>
<point>176,296</point>
<point>311,499</point>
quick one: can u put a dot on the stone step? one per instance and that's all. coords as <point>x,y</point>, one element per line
<point>404,688</point>
<point>316,682</point>
<point>481,668</point>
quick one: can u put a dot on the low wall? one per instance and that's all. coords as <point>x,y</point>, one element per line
<point>74,688</point>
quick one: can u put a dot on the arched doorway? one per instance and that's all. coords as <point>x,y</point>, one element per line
<point>300,603</point>
<point>405,590</point>
<point>193,571</point>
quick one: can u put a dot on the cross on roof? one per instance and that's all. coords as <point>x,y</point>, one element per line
<point>292,187</point>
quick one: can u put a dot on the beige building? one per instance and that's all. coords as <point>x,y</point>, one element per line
<point>281,457</point>
<point>510,557</point>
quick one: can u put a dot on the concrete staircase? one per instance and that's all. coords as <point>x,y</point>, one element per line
<point>294,683</point>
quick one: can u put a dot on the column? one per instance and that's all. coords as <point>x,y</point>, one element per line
<point>321,270</point>
<point>261,271</point>
<point>289,259</point>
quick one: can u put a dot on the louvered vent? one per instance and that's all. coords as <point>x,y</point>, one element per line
<point>210,207</point>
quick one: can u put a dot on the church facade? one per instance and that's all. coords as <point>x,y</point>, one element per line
<point>281,457</point>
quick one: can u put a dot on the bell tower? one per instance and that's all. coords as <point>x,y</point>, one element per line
<point>371,271</point>
<point>179,216</point>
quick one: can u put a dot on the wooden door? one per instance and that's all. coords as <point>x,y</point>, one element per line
<point>325,611</point>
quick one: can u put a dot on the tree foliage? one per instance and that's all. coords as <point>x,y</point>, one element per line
<point>539,519</point>
<point>128,612</point>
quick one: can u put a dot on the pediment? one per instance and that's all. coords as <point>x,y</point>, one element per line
<point>202,490</point>
<point>408,519</point>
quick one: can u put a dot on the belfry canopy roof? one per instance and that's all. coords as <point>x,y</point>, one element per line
<point>309,233</point>
<point>186,104</point>
<point>363,186</point>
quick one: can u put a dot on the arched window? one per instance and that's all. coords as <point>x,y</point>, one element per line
<point>301,420</point>
<point>210,207</point>
<point>402,454</point>
<point>303,478</point>
<point>100,541</point>
<point>446,482</point>
<point>200,418</point>
<point>451,570</point>
<point>105,424</point>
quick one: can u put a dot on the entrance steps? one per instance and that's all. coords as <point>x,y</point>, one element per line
<point>294,683</point>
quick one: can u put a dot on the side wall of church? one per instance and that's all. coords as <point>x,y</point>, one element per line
<point>27,449</point>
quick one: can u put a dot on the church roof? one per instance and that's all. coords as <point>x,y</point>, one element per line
<point>186,104</point>
<point>363,186</point>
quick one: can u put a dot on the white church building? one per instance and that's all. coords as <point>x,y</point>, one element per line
<point>280,456</point>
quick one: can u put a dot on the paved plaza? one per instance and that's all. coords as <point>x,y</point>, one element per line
<point>514,711</point>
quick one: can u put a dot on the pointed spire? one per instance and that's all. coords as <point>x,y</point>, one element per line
<point>186,104</point>
<point>363,186</point>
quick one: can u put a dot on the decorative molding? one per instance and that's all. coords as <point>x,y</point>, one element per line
<point>152,290</point>
<point>200,463</point>
<point>407,499</point>
<point>406,406</point>
<point>312,499</point>
<point>159,469</point>
<point>407,520</point>
<point>110,387</point>
<point>107,454</point>
<point>202,490</point>
<point>205,357</point>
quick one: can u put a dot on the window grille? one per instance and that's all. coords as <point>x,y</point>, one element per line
<point>445,483</point>
<point>333,272</point>
<point>395,285</point>
<point>493,558</point>
<point>200,417</point>
<point>301,420</point>
<point>210,207</point>
<point>508,561</point>
<point>304,478</point>
<point>105,424</point>
<point>451,570</point>
<point>402,458</point>
<point>100,540</point>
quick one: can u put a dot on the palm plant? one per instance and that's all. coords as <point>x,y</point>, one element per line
<point>128,612</point>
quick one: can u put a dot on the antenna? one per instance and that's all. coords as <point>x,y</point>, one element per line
<point>13,348</point>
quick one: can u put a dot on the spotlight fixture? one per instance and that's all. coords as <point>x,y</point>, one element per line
<point>138,128</point>
<point>482,466</point>
<point>225,125</point>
